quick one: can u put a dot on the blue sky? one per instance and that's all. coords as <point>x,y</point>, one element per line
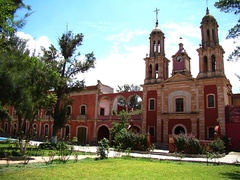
<point>117,31</point>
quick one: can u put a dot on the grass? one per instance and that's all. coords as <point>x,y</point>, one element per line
<point>119,168</point>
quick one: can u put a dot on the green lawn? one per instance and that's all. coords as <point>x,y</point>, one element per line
<point>119,168</point>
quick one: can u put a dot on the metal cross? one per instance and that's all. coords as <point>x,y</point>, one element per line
<point>157,13</point>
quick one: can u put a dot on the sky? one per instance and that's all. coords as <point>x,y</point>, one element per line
<point>117,31</point>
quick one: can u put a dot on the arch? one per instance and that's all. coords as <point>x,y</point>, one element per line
<point>210,100</point>
<point>82,135</point>
<point>15,129</point>
<point>6,128</point>
<point>67,131</point>
<point>156,70</point>
<point>213,62</point>
<point>208,37</point>
<point>159,46</point>
<point>83,109</point>
<point>46,130</point>
<point>179,128</point>
<point>104,106</point>
<point>205,64</point>
<point>150,71</point>
<point>34,129</point>
<point>69,110</point>
<point>103,132</point>
<point>135,102</point>
<point>179,94</point>
<point>151,106</point>
<point>154,46</point>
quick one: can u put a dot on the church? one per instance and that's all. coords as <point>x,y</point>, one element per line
<point>171,102</point>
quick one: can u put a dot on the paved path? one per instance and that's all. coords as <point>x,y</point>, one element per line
<point>231,158</point>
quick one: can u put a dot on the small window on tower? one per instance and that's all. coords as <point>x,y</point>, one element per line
<point>152,104</point>
<point>213,63</point>
<point>159,46</point>
<point>205,61</point>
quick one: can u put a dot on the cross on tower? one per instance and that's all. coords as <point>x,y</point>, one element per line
<point>157,16</point>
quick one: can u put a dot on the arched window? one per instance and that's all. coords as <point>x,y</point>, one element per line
<point>83,110</point>
<point>211,101</point>
<point>151,104</point>
<point>208,37</point>
<point>154,46</point>
<point>67,131</point>
<point>213,35</point>
<point>159,49</point>
<point>46,130</point>
<point>6,127</point>
<point>69,110</point>
<point>150,71</point>
<point>156,68</point>
<point>213,63</point>
<point>205,64</point>
<point>34,129</point>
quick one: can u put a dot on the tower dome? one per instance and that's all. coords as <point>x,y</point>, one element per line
<point>208,18</point>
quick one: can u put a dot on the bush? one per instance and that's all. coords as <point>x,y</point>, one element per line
<point>128,139</point>
<point>217,146</point>
<point>103,148</point>
<point>187,143</point>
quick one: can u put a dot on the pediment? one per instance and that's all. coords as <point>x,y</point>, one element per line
<point>179,77</point>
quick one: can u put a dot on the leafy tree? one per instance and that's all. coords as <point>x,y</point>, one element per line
<point>26,88</point>
<point>8,26</point>
<point>9,23</point>
<point>68,65</point>
<point>229,6</point>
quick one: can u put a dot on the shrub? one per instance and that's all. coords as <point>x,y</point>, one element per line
<point>217,146</point>
<point>187,143</point>
<point>103,148</point>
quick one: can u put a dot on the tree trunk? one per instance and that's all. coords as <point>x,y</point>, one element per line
<point>54,134</point>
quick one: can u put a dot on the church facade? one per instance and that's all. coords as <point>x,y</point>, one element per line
<point>181,103</point>
<point>170,104</point>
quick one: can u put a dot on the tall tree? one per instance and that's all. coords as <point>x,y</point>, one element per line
<point>27,87</point>
<point>231,6</point>
<point>9,23</point>
<point>68,64</point>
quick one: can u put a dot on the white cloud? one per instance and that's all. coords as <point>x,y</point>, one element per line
<point>34,45</point>
<point>128,67</point>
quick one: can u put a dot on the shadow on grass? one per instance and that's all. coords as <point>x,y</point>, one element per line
<point>231,175</point>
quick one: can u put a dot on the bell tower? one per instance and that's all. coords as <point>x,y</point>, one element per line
<point>156,63</point>
<point>210,52</point>
<point>181,62</point>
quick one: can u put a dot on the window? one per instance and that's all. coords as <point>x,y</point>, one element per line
<point>150,71</point>
<point>46,130</point>
<point>213,63</point>
<point>210,132</point>
<point>152,104</point>
<point>102,111</point>
<point>34,129</point>
<point>158,46</point>
<point>154,46</point>
<point>151,130</point>
<point>156,69</point>
<point>210,101</point>
<point>83,110</point>
<point>69,110</point>
<point>205,61</point>
<point>179,105</point>
<point>67,130</point>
